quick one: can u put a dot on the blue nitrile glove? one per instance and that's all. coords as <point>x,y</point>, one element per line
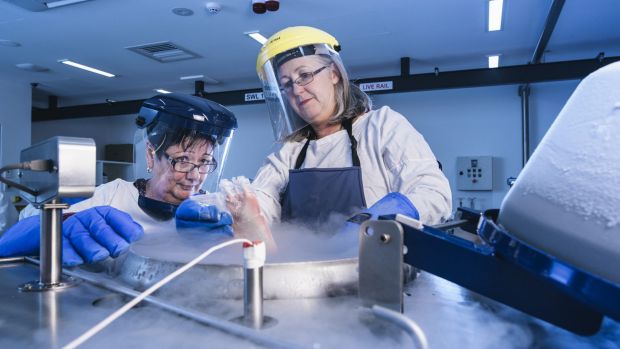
<point>392,203</point>
<point>88,236</point>
<point>22,238</point>
<point>192,214</point>
<point>99,232</point>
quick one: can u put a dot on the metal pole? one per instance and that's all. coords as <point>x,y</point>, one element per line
<point>524,93</point>
<point>232,328</point>
<point>253,297</point>
<point>50,251</point>
<point>552,19</point>
<point>199,88</point>
<point>254,255</point>
<point>405,66</point>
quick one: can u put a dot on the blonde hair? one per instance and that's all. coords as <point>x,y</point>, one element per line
<point>351,102</point>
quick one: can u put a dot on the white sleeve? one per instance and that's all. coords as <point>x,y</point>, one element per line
<point>414,170</point>
<point>28,211</point>
<point>271,180</point>
<point>8,213</point>
<point>103,196</point>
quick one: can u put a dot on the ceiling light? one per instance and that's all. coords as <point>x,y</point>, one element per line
<point>159,90</point>
<point>257,36</point>
<point>495,14</point>
<point>493,61</point>
<point>59,3</point>
<point>85,67</point>
<point>192,77</point>
<point>205,79</point>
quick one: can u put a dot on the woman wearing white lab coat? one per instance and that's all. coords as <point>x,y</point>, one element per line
<point>186,137</point>
<point>338,154</point>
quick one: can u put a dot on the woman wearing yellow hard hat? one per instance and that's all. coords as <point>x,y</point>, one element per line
<point>338,154</point>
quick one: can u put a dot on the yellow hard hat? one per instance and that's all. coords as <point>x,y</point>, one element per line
<point>290,38</point>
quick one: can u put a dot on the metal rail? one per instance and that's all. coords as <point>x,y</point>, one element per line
<point>405,323</point>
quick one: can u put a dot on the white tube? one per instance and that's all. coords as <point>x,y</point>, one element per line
<point>105,322</point>
<point>229,327</point>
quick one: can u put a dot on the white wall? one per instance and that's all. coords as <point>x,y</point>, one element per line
<point>15,116</point>
<point>480,121</point>
<point>464,122</point>
<point>546,101</point>
<point>459,122</point>
<point>104,130</point>
<point>253,141</point>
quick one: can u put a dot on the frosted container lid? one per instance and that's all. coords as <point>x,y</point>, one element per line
<point>566,200</point>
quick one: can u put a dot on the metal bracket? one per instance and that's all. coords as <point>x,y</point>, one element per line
<point>38,286</point>
<point>50,251</point>
<point>55,205</point>
<point>381,264</point>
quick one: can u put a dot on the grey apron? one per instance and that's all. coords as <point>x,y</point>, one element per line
<point>313,194</point>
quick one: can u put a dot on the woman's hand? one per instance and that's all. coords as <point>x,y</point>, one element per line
<point>89,236</point>
<point>243,204</point>
<point>195,213</point>
<point>391,204</point>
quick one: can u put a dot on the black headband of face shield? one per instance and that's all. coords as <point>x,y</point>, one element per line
<point>296,52</point>
<point>174,124</point>
<point>162,139</point>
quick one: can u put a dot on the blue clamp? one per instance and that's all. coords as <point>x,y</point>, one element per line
<point>502,268</point>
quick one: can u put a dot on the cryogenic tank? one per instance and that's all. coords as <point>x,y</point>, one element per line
<point>566,201</point>
<point>306,266</point>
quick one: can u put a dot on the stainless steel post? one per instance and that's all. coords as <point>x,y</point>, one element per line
<point>50,250</point>
<point>253,297</point>
<point>254,255</point>
<point>524,93</point>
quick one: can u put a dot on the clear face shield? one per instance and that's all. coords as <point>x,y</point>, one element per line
<point>278,91</point>
<point>164,150</point>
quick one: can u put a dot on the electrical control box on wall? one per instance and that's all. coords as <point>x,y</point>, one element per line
<point>474,173</point>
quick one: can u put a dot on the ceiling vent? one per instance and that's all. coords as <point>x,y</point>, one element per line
<point>42,5</point>
<point>163,52</point>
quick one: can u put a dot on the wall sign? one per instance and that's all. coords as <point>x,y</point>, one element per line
<point>377,86</point>
<point>255,96</point>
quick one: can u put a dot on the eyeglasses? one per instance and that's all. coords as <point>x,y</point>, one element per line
<point>180,165</point>
<point>302,80</point>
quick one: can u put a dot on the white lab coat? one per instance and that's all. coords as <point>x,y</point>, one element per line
<point>121,195</point>
<point>8,213</point>
<point>394,157</point>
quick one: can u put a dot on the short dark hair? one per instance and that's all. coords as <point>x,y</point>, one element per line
<point>163,138</point>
